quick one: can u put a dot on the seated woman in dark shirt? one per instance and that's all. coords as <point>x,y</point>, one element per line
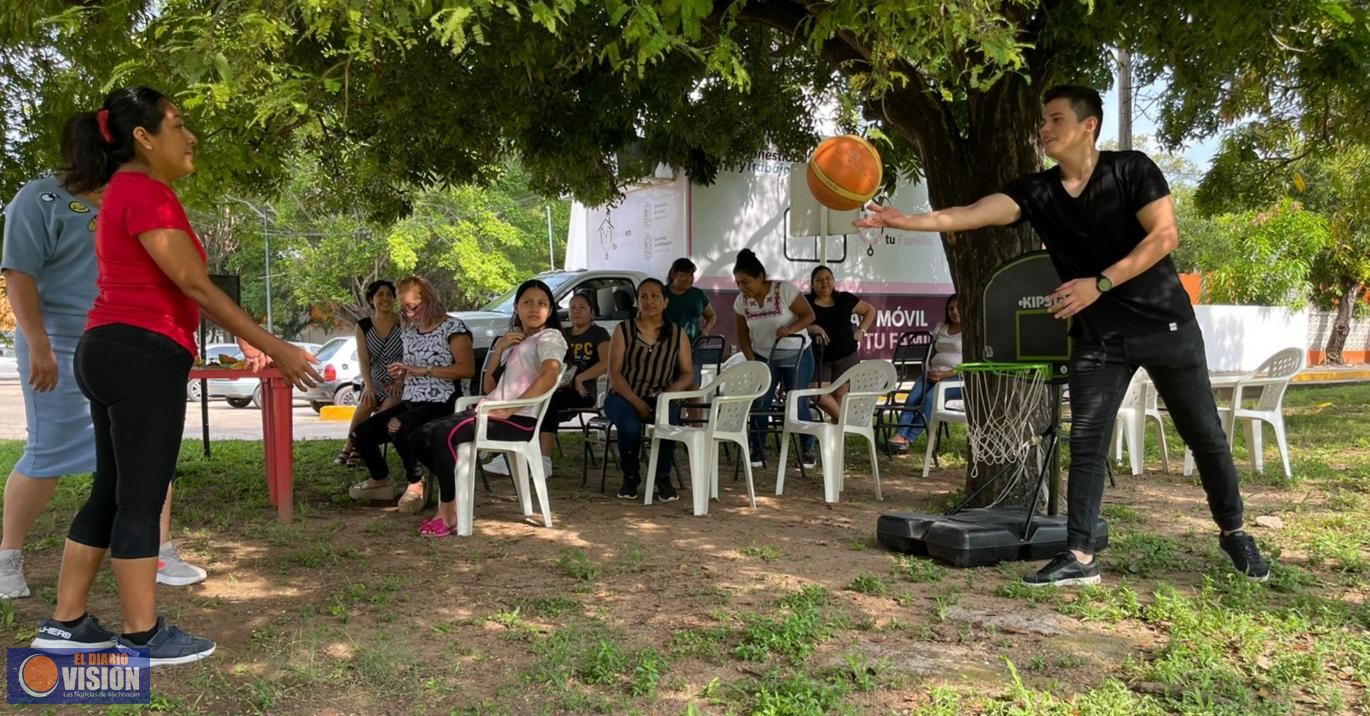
<point>832,331</point>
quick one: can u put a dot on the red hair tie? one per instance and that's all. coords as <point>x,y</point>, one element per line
<point>102,119</point>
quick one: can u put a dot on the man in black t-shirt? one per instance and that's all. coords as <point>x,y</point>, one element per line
<point>1109,224</point>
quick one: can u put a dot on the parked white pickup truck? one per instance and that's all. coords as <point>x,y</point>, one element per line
<point>613,294</point>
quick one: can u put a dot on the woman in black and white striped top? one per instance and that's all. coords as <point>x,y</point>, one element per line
<point>378,345</point>
<point>647,357</point>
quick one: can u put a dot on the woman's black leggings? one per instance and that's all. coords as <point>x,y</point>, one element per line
<point>375,431</point>
<point>436,443</point>
<point>136,382</point>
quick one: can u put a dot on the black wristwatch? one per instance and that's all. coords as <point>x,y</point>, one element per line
<point>1103,283</point>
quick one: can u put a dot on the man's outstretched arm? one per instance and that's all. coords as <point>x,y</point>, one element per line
<point>993,210</point>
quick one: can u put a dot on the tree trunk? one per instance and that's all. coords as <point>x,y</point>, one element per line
<point>969,148</point>
<point>962,164</point>
<point>1341,326</point>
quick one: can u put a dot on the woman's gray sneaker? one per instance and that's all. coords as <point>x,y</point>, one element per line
<point>12,582</point>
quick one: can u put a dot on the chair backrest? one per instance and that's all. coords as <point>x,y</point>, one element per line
<point>545,399</point>
<point>911,353</point>
<point>869,381</point>
<point>623,305</point>
<point>1273,377</point>
<point>736,388</point>
<point>478,382</point>
<point>1284,364</point>
<point>786,352</point>
<point>1132,397</point>
<point>708,350</point>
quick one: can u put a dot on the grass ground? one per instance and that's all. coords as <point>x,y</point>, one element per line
<point>788,609</point>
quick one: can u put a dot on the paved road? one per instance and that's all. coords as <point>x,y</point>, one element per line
<point>225,423</point>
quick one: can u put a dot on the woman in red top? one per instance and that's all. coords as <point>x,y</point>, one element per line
<point>133,363</point>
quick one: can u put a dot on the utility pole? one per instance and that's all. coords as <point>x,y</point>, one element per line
<point>1124,100</point>
<point>551,247</point>
<point>266,248</point>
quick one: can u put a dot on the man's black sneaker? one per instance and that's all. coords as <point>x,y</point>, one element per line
<point>665,492</point>
<point>1246,557</point>
<point>1064,571</point>
<point>808,460</point>
<point>629,489</point>
<point>170,646</point>
<point>87,635</point>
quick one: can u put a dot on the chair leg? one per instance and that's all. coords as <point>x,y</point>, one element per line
<point>747,467</point>
<point>780,466</point>
<point>1165,451</point>
<point>701,479</point>
<point>675,467</point>
<point>1136,428</point>
<point>928,454</point>
<point>1282,442</point>
<point>832,469</point>
<point>604,464</point>
<point>518,470</point>
<point>587,457</point>
<point>1254,446</point>
<point>699,470</point>
<point>540,485</point>
<point>466,488</point>
<point>651,472</point>
<point>875,466</point>
<point>485,479</point>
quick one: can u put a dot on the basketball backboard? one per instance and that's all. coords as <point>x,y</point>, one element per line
<point>1016,323</point>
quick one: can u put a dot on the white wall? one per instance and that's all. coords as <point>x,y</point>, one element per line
<point>1242,337</point>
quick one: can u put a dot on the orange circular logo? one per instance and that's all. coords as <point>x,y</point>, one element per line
<point>38,675</point>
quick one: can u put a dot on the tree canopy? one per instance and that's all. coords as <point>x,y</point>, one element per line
<point>393,94</point>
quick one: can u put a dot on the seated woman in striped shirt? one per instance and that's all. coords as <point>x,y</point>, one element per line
<point>648,356</point>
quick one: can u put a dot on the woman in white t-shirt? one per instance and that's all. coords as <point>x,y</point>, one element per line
<point>528,362</point>
<point>768,311</point>
<point>946,355</point>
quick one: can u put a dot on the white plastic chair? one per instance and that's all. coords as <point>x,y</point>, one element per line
<point>1272,378</point>
<point>870,380</point>
<point>943,411</point>
<point>731,395</point>
<point>522,456</point>
<point>1139,406</point>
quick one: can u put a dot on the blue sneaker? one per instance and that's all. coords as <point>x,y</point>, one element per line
<point>170,646</point>
<point>87,635</point>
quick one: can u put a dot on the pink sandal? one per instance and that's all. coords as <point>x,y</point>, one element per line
<point>436,527</point>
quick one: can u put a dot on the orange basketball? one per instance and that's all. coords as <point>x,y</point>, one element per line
<point>844,172</point>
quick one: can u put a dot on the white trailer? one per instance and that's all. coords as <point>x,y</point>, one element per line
<point>766,206</point>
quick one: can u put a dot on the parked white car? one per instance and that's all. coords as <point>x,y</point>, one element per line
<point>340,366</point>
<point>9,365</point>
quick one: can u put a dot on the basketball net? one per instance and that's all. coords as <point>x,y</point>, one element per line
<point>1006,413</point>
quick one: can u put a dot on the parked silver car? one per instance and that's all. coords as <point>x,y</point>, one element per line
<point>211,356</point>
<point>242,392</point>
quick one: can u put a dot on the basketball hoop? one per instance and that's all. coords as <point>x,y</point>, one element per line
<point>1007,416</point>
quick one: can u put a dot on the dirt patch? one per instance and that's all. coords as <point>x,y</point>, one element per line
<point>350,611</point>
